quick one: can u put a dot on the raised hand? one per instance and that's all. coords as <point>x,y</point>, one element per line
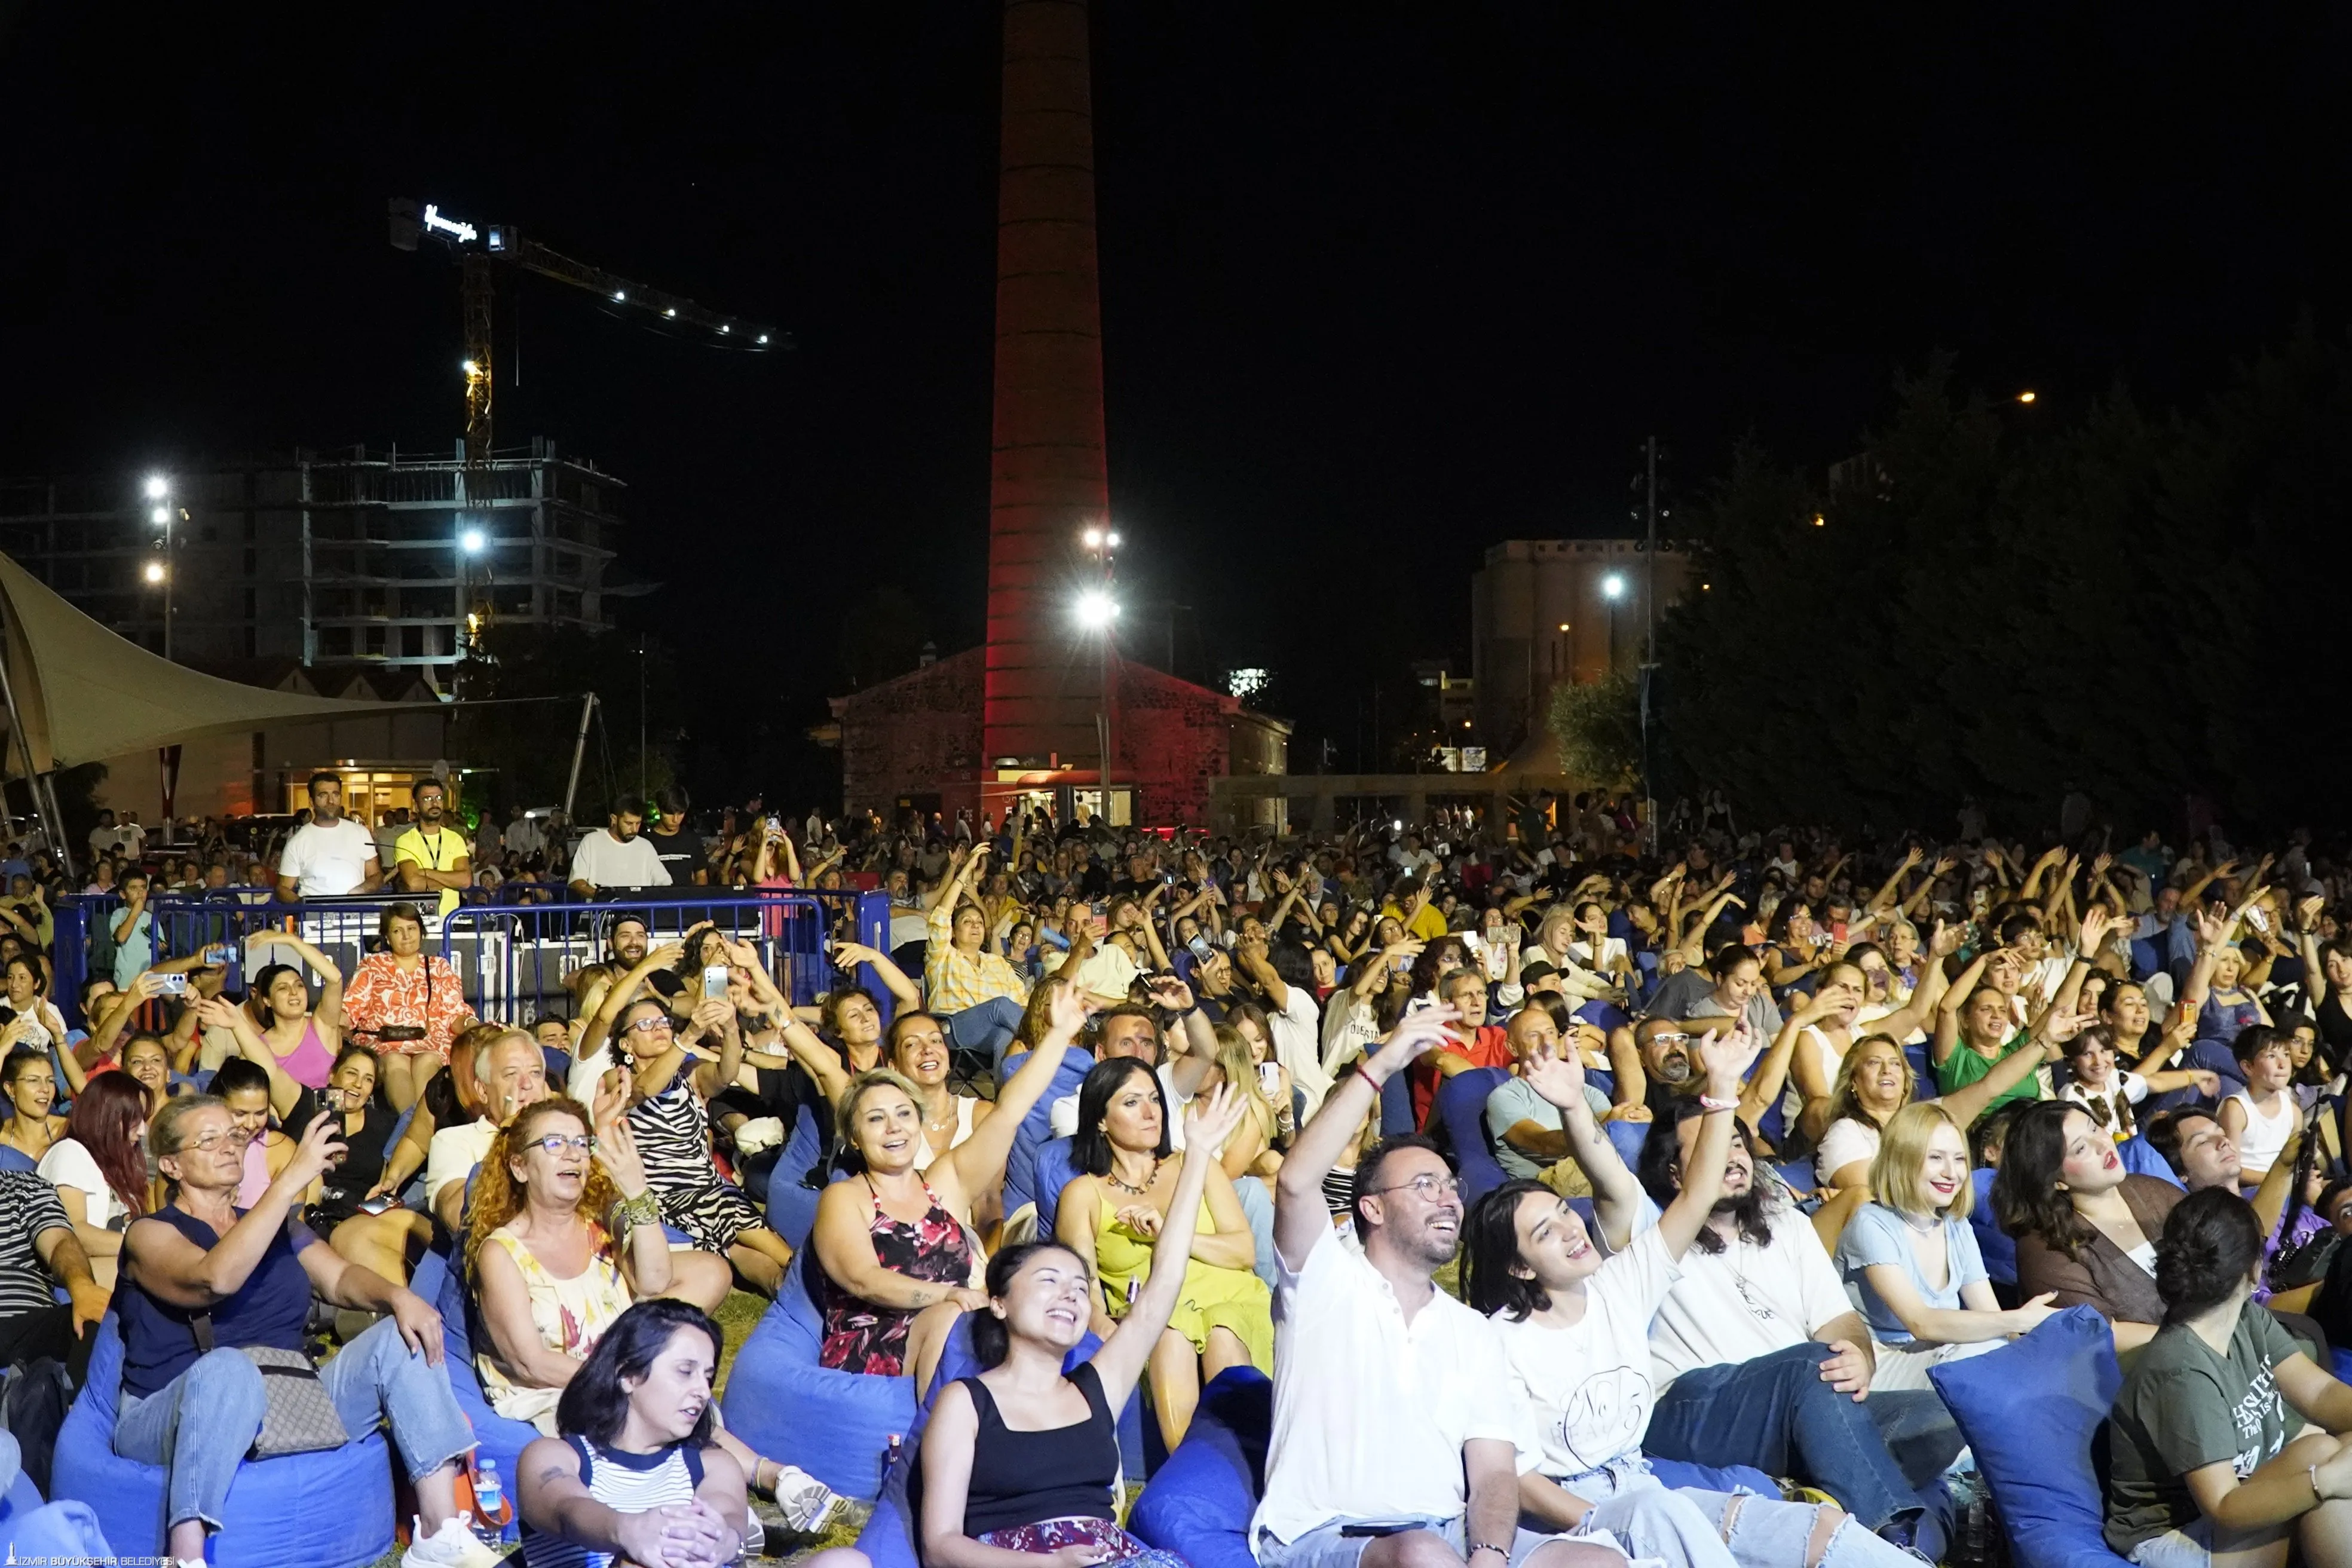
<point>2060,1027</point>
<point>1945,940</point>
<point>320,1150</point>
<point>616,1151</point>
<point>2095,926</point>
<point>1558,1079</point>
<point>1065,1014</point>
<point>1169,992</point>
<point>1726,1058</point>
<point>1210,1118</point>
<point>1416,1034</point>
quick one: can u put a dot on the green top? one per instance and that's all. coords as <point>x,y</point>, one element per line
<point>1965,1066</point>
<point>2184,1407</point>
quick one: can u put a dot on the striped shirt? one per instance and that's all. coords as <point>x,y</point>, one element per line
<point>625,1483</point>
<point>954,980</point>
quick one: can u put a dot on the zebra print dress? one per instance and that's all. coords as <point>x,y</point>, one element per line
<point>673,1133</point>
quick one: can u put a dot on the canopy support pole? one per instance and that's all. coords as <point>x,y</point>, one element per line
<point>578,748</point>
<point>54,829</point>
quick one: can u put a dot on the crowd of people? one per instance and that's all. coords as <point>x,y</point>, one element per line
<point>1533,1165</point>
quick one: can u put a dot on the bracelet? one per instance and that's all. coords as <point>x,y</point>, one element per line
<point>1365,1073</point>
<point>643,1209</point>
<point>1708,1102</point>
<point>1478,1546</point>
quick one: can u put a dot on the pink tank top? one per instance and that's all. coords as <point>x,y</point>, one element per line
<point>308,1063</point>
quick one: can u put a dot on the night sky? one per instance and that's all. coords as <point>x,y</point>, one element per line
<point>1382,285</point>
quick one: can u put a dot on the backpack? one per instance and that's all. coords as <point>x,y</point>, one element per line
<point>33,1398</point>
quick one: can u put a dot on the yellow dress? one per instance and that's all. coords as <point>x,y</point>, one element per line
<point>1214,1298</point>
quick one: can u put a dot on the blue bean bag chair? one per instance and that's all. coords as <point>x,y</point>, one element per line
<point>792,1207</point>
<point>1993,1244</point>
<point>1603,1016</point>
<point>2140,1158</point>
<point>1396,1106</point>
<point>1055,1169</point>
<point>888,1539</point>
<point>442,1282</point>
<point>1021,1182</point>
<point>1199,1504</point>
<point>836,1425</point>
<point>331,1509</point>
<point>1462,1108</point>
<point>2031,1411</point>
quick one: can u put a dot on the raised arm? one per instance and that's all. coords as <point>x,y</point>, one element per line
<point>1616,1195</point>
<point>978,1163</point>
<point>222,1014</point>
<point>1208,1123</point>
<point>1948,1009</point>
<point>1724,1061</point>
<point>1300,1215</point>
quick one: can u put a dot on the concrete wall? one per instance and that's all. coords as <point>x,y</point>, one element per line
<point>1528,590</point>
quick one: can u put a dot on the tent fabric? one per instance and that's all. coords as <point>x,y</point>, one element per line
<point>87,693</point>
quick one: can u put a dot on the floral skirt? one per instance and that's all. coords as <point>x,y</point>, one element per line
<point>1049,1536</point>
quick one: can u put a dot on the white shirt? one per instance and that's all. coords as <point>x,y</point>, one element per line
<point>1298,1042</point>
<point>1370,1412</point>
<point>523,837</point>
<point>1062,1115</point>
<point>604,861</point>
<point>71,1165</point>
<point>1747,1300</point>
<point>1589,1388</point>
<point>454,1154</point>
<point>325,858</point>
<point>1848,1139</point>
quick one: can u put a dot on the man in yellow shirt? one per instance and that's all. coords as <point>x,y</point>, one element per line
<point>1409,903</point>
<point>433,855</point>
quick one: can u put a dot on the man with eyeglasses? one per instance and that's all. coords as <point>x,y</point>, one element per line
<point>1396,1433</point>
<point>511,1073</point>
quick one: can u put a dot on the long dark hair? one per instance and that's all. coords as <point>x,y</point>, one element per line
<point>1487,1281</point>
<point>258,987</point>
<point>110,1119</point>
<point>595,1405</point>
<point>2210,1241</point>
<point>1090,1148</point>
<point>991,1336</point>
<point>2026,1199</point>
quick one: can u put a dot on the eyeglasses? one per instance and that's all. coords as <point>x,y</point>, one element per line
<point>557,1142</point>
<point>644,1026</point>
<point>1426,1188</point>
<point>212,1141</point>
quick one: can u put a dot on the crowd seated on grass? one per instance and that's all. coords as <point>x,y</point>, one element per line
<point>1766,1146</point>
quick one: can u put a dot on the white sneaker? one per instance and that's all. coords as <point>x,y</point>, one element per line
<point>805,1501</point>
<point>451,1546</point>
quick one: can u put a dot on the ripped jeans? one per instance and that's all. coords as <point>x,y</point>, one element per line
<point>1693,1529</point>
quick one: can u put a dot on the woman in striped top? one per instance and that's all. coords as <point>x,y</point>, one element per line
<point>637,1475</point>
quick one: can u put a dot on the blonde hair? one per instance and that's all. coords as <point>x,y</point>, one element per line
<point>1902,1155</point>
<point>1845,1104</point>
<point>844,1119</point>
<point>1241,1074</point>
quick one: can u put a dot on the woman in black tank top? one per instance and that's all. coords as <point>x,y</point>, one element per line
<point>1025,1457</point>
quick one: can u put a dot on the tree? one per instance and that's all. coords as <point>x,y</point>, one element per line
<point>1598,724</point>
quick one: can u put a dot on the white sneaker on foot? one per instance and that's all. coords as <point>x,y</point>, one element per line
<point>805,1501</point>
<point>451,1546</point>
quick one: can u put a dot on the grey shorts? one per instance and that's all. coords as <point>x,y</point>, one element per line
<point>1326,1547</point>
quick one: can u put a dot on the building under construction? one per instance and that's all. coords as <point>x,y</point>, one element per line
<point>369,558</point>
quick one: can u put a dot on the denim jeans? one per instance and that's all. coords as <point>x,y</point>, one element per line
<point>1257,1207</point>
<point>202,1424</point>
<point>987,1026</point>
<point>1775,1412</point>
<point>1684,1525</point>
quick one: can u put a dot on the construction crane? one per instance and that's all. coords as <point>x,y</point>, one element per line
<point>478,247</point>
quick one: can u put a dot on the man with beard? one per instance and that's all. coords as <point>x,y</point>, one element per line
<point>1395,1427</point>
<point>431,856</point>
<point>330,854</point>
<point>1760,1358</point>
<point>618,855</point>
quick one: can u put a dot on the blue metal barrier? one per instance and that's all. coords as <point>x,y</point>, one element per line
<point>512,956</point>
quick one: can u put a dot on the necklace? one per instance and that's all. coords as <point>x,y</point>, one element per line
<point>1142,1192</point>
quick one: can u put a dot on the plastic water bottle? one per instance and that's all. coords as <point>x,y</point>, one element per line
<point>890,1455</point>
<point>490,1512</point>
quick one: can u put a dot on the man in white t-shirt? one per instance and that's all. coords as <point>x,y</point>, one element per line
<point>1760,1358</point>
<point>618,855</point>
<point>1396,1439</point>
<point>331,853</point>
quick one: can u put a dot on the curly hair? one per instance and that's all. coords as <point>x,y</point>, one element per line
<point>498,1197</point>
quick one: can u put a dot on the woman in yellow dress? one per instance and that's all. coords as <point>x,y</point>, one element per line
<point>1111,1215</point>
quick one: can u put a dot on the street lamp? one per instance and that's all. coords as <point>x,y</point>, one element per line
<point>1097,610</point>
<point>159,490</point>
<point>155,573</point>
<point>474,541</point>
<point>1612,588</point>
<point>158,487</point>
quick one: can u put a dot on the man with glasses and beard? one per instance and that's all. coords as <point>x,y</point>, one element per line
<point>1395,1427</point>
<point>432,856</point>
<point>1759,1358</point>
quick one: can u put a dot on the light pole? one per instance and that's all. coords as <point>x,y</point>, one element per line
<point>1612,588</point>
<point>159,491</point>
<point>1097,612</point>
<point>472,542</point>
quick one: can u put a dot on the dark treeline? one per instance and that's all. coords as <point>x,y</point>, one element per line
<point>1999,599</point>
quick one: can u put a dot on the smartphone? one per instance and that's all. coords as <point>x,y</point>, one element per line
<point>1269,1080</point>
<point>1200,947</point>
<point>383,1204</point>
<point>173,984</point>
<point>1470,942</point>
<point>714,983</point>
<point>1404,964</point>
<point>1837,932</point>
<point>218,955</point>
<point>2259,920</point>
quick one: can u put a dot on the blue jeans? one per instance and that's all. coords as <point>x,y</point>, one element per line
<point>1257,1207</point>
<point>987,1026</point>
<point>202,1424</point>
<point>1686,1527</point>
<point>1775,1412</point>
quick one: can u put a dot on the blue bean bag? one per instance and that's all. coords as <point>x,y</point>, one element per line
<point>2140,1158</point>
<point>792,1207</point>
<point>1396,1106</point>
<point>2031,1411</point>
<point>836,1425</point>
<point>1021,1182</point>
<point>1199,1504</point>
<point>442,1283</point>
<point>1462,1108</point>
<point>888,1539</point>
<point>1055,1169</point>
<point>331,1509</point>
<point>1995,1245</point>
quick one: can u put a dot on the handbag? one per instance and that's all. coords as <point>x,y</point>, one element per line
<point>298,1418</point>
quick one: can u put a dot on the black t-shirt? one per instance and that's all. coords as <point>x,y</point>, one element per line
<point>681,853</point>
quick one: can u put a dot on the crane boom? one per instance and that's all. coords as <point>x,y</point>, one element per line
<point>478,247</point>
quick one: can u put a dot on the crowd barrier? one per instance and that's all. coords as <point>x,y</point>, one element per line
<point>512,956</point>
